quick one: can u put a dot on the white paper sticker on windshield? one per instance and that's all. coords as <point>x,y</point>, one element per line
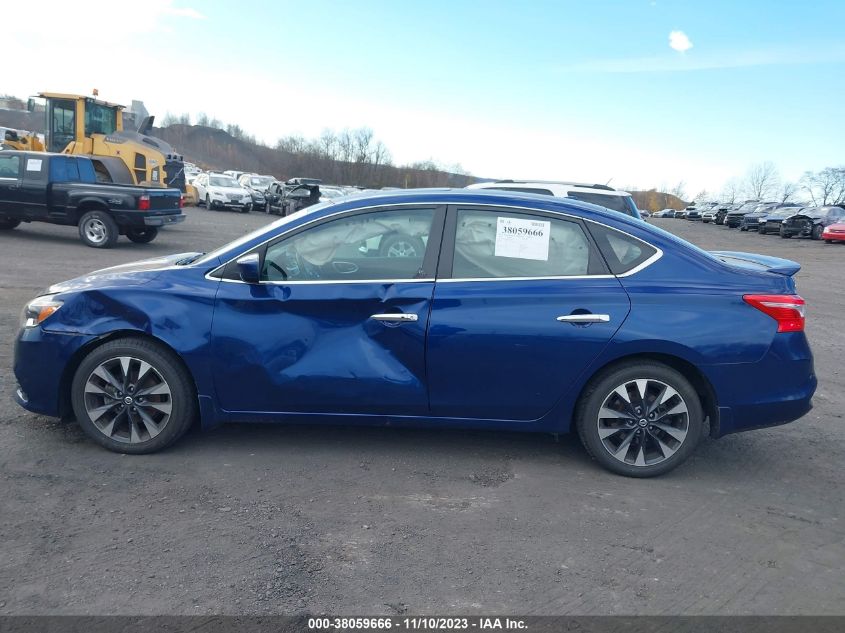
<point>33,164</point>
<point>525,239</point>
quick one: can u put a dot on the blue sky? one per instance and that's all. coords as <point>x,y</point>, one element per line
<point>584,90</point>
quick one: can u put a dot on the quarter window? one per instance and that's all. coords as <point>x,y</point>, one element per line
<point>502,244</point>
<point>364,247</point>
<point>622,252</point>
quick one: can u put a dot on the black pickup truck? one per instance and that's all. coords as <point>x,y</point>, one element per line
<point>65,189</point>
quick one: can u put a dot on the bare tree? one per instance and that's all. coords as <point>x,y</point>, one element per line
<point>679,190</point>
<point>702,196</point>
<point>787,190</point>
<point>762,180</point>
<point>731,191</point>
<point>826,186</point>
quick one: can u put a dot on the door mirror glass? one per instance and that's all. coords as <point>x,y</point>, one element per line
<point>249,268</point>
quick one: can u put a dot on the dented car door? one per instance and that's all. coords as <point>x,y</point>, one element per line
<point>337,322</point>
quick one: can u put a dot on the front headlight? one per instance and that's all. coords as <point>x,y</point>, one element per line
<point>39,309</point>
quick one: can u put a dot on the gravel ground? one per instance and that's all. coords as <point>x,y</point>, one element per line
<point>264,519</point>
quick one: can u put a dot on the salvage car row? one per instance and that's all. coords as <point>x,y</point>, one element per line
<point>787,219</point>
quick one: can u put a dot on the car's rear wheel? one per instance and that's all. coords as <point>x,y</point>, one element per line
<point>640,419</point>
<point>401,245</point>
<point>98,230</point>
<point>133,396</point>
<point>142,236</point>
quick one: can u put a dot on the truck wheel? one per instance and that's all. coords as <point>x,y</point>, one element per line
<point>142,236</point>
<point>98,230</point>
<point>7,224</point>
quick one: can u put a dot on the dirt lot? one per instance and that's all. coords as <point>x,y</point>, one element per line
<point>261,519</point>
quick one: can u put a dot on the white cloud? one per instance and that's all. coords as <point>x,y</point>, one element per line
<point>679,41</point>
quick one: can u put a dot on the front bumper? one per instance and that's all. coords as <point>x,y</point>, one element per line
<point>799,231</point>
<point>41,362</point>
<point>836,237</point>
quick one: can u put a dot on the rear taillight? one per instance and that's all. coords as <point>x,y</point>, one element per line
<point>144,203</point>
<point>182,201</point>
<point>787,310</point>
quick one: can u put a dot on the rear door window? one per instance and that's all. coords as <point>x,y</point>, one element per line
<point>507,243</point>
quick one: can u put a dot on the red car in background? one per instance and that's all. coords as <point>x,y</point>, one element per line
<point>834,233</point>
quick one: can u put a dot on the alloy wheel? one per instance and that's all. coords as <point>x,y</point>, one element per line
<point>643,422</point>
<point>95,230</point>
<point>401,249</point>
<point>128,400</point>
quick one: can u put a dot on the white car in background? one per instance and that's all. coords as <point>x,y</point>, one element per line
<point>219,191</point>
<point>601,195</point>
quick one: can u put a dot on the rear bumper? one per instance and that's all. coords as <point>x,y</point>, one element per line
<point>164,220</point>
<point>775,390</point>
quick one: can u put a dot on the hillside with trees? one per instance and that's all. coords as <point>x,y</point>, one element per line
<point>349,157</point>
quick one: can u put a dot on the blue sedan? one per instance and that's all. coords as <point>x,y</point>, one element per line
<point>431,308</point>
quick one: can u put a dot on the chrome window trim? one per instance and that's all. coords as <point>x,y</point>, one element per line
<point>657,255</point>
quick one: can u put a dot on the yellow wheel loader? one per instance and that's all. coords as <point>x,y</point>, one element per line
<point>85,125</point>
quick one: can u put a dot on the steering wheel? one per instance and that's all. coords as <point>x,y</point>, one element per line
<point>278,269</point>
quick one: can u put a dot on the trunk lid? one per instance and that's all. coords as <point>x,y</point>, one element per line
<point>761,263</point>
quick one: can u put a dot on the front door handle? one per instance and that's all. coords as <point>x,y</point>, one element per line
<point>584,318</point>
<point>396,317</point>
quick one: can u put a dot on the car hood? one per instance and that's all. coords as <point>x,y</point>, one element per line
<point>753,261</point>
<point>131,274</point>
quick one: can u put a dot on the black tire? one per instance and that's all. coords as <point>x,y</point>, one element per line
<point>246,208</point>
<point>208,204</point>
<point>401,245</point>
<point>97,229</point>
<point>743,228</point>
<point>182,400</point>
<point>761,231</point>
<point>602,387</point>
<point>816,233</point>
<point>142,236</point>
<point>7,224</point>
<point>268,209</point>
<point>828,241</point>
<point>785,236</point>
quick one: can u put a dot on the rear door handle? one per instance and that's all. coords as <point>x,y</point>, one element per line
<point>584,318</point>
<point>396,317</point>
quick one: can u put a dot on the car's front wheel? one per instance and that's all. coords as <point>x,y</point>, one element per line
<point>640,419</point>
<point>7,224</point>
<point>817,232</point>
<point>133,396</point>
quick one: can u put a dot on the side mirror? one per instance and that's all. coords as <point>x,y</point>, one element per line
<point>249,268</point>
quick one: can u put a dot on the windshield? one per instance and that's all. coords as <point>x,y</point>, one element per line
<point>260,182</point>
<point>623,204</point>
<point>222,181</point>
<point>784,213</point>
